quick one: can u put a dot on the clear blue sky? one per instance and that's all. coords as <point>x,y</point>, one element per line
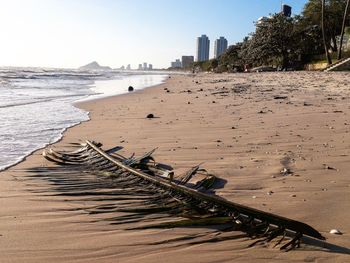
<point>71,33</point>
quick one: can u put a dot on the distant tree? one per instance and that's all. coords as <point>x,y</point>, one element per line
<point>333,17</point>
<point>208,65</point>
<point>346,11</point>
<point>230,60</point>
<point>274,42</point>
<point>308,38</point>
<point>282,41</point>
<point>325,42</point>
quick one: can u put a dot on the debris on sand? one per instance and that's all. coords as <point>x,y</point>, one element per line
<point>143,176</point>
<point>279,97</point>
<point>325,166</point>
<point>286,171</point>
<point>335,232</point>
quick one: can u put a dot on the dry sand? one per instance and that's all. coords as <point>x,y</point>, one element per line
<point>245,127</point>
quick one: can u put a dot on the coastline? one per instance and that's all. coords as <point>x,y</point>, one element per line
<point>104,88</point>
<point>203,118</point>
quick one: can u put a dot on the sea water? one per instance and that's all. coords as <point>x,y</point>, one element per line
<point>36,105</point>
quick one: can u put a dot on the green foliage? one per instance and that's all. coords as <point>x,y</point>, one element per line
<point>283,42</point>
<point>274,42</point>
<point>231,59</point>
<point>347,31</point>
<point>209,65</point>
<point>334,10</point>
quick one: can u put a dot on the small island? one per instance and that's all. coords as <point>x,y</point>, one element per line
<point>94,66</point>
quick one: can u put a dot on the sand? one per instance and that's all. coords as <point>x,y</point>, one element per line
<point>246,128</point>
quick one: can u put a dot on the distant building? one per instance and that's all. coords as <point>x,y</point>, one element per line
<point>220,46</point>
<point>203,48</point>
<point>150,66</point>
<point>176,64</point>
<point>122,67</point>
<point>128,67</point>
<point>140,67</point>
<point>186,61</point>
<point>262,20</point>
<point>287,10</point>
<point>145,66</point>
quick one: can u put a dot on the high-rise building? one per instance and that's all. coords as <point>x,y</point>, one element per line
<point>176,64</point>
<point>145,66</point>
<point>220,46</point>
<point>150,66</point>
<point>203,48</point>
<point>140,66</point>
<point>128,67</point>
<point>187,61</point>
<point>287,10</point>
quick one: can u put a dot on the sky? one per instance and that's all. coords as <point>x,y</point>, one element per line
<point>72,33</point>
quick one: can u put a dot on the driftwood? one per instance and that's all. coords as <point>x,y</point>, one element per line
<point>159,191</point>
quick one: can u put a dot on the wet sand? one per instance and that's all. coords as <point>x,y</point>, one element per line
<point>279,140</point>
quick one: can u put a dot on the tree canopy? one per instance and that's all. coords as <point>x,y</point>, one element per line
<point>283,42</point>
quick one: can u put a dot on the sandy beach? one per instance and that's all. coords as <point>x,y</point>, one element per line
<point>244,128</point>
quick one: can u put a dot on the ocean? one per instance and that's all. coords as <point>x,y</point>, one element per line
<point>36,105</point>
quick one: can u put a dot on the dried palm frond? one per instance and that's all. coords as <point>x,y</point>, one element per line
<point>145,191</point>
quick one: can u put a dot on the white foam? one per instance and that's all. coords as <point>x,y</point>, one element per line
<point>36,107</point>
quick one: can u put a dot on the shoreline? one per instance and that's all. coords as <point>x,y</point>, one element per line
<point>76,105</point>
<point>237,124</point>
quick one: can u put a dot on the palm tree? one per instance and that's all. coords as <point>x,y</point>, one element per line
<point>329,61</point>
<point>343,28</point>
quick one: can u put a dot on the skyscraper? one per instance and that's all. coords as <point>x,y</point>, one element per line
<point>203,48</point>
<point>220,46</point>
<point>287,10</point>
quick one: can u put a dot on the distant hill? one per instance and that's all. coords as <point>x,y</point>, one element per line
<point>94,66</point>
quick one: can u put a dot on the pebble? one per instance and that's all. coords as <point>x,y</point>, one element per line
<point>270,192</point>
<point>285,171</point>
<point>328,167</point>
<point>335,232</point>
<point>253,196</point>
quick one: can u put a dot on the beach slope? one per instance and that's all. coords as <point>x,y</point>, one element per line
<point>279,141</point>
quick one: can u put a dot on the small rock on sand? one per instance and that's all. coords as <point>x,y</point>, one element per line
<point>131,88</point>
<point>285,171</point>
<point>150,116</point>
<point>335,232</point>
